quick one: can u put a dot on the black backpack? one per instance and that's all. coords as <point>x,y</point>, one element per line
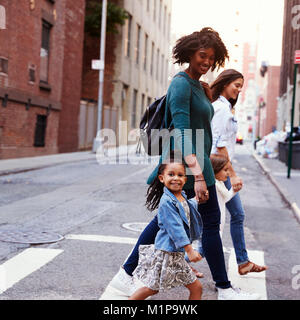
<point>153,118</point>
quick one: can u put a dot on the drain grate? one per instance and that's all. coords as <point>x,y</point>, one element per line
<point>29,236</point>
<point>135,226</point>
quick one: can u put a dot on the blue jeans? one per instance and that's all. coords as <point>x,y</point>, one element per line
<point>211,241</point>
<point>237,214</point>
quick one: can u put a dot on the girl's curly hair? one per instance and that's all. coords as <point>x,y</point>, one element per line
<point>207,38</point>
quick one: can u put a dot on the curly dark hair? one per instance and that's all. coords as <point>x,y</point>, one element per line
<point>207,38</point>
<point>156,188</point>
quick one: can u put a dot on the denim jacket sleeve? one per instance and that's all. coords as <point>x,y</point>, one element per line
<point>173,224</point>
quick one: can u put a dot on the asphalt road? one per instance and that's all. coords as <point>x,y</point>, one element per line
<point>85,198</point>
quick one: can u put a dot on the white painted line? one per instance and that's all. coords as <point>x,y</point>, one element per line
<point>252,282</point>
<point>23,264</point>
<point>296,210</point>
<point>99,238</point>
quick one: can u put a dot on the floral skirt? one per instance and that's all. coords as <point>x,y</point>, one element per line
<point>161,270</point>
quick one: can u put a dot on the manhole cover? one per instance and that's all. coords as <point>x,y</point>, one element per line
<point>29,236</point>
<point>135,226</point>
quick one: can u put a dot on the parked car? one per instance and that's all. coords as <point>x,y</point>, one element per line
<point>239,139</point>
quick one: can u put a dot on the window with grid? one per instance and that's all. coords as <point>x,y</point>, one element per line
<point>137,48</point>
<point>152,59</point>
<point>134,105</point>
<point>45,51</point>
<point>142,105</point>
<point>127,36</point>
<point>40,130</point>
<point>157,62</point>
<point>146,52</point>
<point>3,65</point>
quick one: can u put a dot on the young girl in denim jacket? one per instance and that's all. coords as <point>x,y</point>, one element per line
<point>162,266</point>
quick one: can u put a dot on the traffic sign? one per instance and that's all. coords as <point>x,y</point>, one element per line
<point>297,57</point>
<point>97,65</point>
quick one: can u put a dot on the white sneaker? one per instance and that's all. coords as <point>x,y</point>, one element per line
<point>123,282</point>
<point>234,293</point>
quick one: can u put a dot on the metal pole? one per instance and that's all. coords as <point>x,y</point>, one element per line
<point>292,122</point>
<point>101,73</point>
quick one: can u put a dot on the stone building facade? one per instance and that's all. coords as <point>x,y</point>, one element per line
<point>136,69</point>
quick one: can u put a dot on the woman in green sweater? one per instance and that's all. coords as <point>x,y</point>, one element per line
<point>191,113</point>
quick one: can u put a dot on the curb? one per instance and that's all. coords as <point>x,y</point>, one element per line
<point>59,162</point>
<point>283,192</point>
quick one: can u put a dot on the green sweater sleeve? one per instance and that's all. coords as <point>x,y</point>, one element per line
<point>179,103</point>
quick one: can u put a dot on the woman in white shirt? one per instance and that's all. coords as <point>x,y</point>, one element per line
<point>225,92</point>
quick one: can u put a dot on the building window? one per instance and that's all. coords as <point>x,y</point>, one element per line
<point>162,68</point>
<point>149,101</point>
<point>167,72</point>
<point>134,104</point>
<point>142,105</point>
<point>137,48</point>
<point>45,51</point>
<point>251,67</point>
<point>159,14</point>
<point>157,62</point>
<point>169,26</point>
<point>31,71</point>
<point>146,52</point>
<point>152,59</point>
<point>127,36</point>
<point>3,65</point>
<point>165,18</point>
<point>40,130</point>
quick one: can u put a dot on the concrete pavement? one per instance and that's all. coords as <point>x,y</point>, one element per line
<point>276,171</point>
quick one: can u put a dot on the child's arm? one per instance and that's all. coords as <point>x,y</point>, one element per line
<point>226,194</point>
<point>192,254</point>
<point>230,194</point>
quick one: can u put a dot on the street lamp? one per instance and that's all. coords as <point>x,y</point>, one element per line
<point>100,67</point>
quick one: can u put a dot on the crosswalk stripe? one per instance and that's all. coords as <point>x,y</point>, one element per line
<point>23,264</point>
<point>100,238</point>
<point>252,282</point>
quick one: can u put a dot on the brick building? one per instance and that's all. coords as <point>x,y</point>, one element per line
<point>40,77</point>
<point>291,43</point>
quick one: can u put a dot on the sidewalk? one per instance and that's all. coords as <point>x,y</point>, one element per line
<point>288,188</point>
<point>11,166</point>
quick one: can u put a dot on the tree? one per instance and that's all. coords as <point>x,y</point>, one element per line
<point>115,16</point>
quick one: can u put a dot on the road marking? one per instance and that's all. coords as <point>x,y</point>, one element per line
<point>23,264</point>
<point>252,282</point>
<point>99,238</point>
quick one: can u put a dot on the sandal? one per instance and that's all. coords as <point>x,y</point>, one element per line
<point>197,273</point>
<point>251,267</point>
